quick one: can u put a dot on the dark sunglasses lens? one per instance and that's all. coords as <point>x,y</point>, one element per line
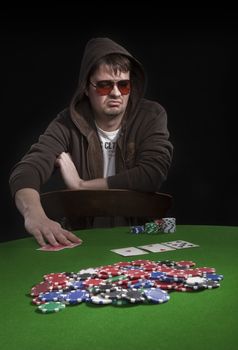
<point>104,87</point>
<point>124,86</point>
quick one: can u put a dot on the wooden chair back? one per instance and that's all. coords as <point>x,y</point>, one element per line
<point>73,204</point>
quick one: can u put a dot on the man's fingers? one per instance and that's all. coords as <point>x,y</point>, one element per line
<point>73,238</point>
<point>51,239</point>
<point>39,238</point>
<point>54,235</point>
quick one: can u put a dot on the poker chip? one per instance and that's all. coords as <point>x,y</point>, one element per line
<point>86,275</point>
<point>91,271</point>
<point>133,295</point>
<point>99,299</point>
<point>52,306</point>
<point>195,280</point>
<point>151,228</point>
<point>157,275</point>
<point>168,225</point>
<point>214,277</point>
<point>76,284</point>
<point>107,287</point>
<point>168,263</point>
<point>120,302</point>
<point>185,263</point>
<point>50,296</point>
<point>122,284</point>
<point>121,264</point>
<point>140,262</point>
<point>76,296</point>
<point>206,270</point>
<point>210,284</point>
<point>37,301</point>
<point>137,229</point>
<point>156,295</point>
<point>42,287</point>
<point>114,294</point>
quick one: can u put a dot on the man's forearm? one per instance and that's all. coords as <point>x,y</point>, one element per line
<point>96,184</point>
<point>28,202</point>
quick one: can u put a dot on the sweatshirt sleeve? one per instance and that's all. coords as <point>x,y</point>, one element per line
<point>35,168</point>
<point>153,157</point>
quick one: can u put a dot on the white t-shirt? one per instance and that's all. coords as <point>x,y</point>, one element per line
<point>108,142</point>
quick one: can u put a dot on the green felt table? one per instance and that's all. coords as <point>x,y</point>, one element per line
<point>197,320</point>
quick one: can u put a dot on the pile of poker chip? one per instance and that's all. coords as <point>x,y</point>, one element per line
<point>163,225</point>
<point>123,283</point>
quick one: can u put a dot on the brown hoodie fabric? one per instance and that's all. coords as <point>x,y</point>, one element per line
<point>143,151</point>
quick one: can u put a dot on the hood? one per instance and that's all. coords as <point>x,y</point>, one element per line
<point>95,49</point>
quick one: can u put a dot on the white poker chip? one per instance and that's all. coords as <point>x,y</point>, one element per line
<point>89,270</point>
<point>195,280</point>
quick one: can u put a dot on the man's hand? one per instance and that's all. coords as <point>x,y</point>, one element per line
<point>68,171</point>
<point>48,231</point>
<point>37,223</point>
<point>71,176</point>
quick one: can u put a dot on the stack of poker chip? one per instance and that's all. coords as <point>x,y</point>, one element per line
<point>164,225</point>
<point>123,283</point>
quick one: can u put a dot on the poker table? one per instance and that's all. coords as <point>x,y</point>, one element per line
<point>206,319</point>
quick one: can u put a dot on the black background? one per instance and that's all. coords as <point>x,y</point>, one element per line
<point>191,58</point>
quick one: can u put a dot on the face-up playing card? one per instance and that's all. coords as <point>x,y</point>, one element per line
<point>129,251</point>
<point>179,244</point>
<point>156,248</point>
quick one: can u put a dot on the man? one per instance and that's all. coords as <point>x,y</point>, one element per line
<point>109,137</point>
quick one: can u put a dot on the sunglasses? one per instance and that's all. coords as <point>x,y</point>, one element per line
<point>104,87</point>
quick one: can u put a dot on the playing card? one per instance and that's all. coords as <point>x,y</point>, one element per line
<point>156,248</point>
<point>50,248</point>
<point>129,251</point>
<point>179,244</point>
<point>72,245</point>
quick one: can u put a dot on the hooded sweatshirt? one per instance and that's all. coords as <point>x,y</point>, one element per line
<point>143,149</point>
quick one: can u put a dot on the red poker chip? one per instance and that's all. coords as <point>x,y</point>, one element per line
<point>136,274</point>
<point>185,263</point>
<point>42,287</point>
<point>165,269</point>
<point>140,262</point>
<point>165,285</point>
<point>204,270</point>
<point>150,267</point>
<point>54,275</point>
<point>58,280</point>
<point>37,301</point>
<point>182,288</point>
<point>91,282</point>
<point>122,264</point>
<point>110,272</point>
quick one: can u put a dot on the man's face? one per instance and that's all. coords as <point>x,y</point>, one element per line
<point>114,103</point>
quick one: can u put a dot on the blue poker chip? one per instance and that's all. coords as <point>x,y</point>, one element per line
<point>137,229</point>
<point>51,296</point>
<point>76,296</point>
<point>156,295</point>
<point>156,275</point>
<point>214,277</point>
<point>77,284</point>
<point>144,283</point>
